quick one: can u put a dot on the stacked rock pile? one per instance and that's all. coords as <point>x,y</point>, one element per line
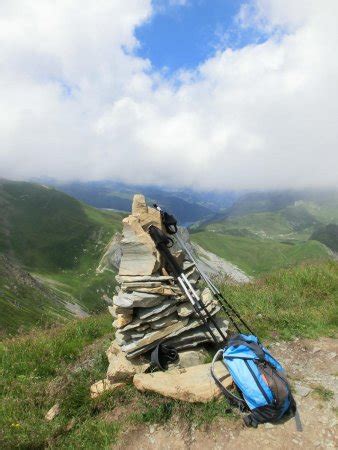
<point>149,307</point>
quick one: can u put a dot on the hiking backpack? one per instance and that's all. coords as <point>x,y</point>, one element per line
<point>259,378</point>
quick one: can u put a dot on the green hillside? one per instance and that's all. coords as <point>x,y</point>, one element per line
<point>59,241</point>
<point>24,301</point>
<point>257,256</point>
<point>46,367</point>
<point>328,235</point>
<point>320,203</point>
<point>265,231</point>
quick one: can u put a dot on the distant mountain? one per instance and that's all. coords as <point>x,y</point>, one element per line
<point>187,205</point>
<point>266,230</point>
<point>51,244</point>
<point>321,202</point>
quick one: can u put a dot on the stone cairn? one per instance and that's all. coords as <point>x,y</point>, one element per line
<point>149,307</point>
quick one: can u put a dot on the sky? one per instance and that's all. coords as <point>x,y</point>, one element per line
<point>207,94</point>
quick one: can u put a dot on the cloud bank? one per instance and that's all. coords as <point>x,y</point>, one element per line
<point>76,103</point>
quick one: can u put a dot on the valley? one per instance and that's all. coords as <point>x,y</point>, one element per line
<point>51,245</point>
<point>268,231</point>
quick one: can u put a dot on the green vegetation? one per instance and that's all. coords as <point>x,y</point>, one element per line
<point>59,241</point>
<point>266,231</point>
<point>25,302</point>
<point>300,301</point>
<point>258,256</point>
<point>58,365</point>
<point>328,235</point>
<point>323,393</point>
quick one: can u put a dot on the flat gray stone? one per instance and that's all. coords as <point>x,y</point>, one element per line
<point>144,279</point>
<point>196,332</point>
<point>164,321</point>
<point>144,313</point>
<point>136,299</point>
<point>150,338</point>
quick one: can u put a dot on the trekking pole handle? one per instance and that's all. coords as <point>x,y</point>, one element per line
<point>169,221</point>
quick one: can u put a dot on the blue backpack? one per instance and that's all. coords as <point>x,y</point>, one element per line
<point>258,377</point>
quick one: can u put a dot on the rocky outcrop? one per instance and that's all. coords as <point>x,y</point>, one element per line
<point>192,384</point>
<point>111,258</point>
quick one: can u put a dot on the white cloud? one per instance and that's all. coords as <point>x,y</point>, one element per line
<point>76,104</point>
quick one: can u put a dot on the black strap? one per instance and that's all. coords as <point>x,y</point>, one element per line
<point>256,348</point>
<point>162,355</point>
<point>169,222</point>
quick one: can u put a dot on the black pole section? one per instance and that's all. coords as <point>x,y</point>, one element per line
<point>161,242</point>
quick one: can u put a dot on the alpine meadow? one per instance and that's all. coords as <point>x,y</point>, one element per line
<point>168,224</point>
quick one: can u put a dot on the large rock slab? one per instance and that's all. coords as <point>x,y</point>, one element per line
<point>139,254</point>
<point>120,368</point>
<point>192,384</point>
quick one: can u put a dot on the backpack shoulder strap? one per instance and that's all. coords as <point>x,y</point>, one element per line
<point>233,399</point>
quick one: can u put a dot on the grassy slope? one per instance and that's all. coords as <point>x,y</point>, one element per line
<point>328,235</point>
<point>59,240</point>
<point>25,302</point>
<point>257,228</point>
<point>257,256</point>
<point>59,365</point>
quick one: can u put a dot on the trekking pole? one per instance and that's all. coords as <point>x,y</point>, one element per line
<point>216,292</point>
<point>162,241</point>
<point>170,224</point>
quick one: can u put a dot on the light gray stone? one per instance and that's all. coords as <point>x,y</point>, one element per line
<point>153,337</point>
<point>195,331</point>
<point>136,299</point>
<point>144,279</point>
<point>144,313</point>
<point>164,321</point>
<point>190,358</point>
<point>139,254</point>
<point>112,255</point>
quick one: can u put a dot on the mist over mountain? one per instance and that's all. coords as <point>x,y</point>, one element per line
<point>186,204</point>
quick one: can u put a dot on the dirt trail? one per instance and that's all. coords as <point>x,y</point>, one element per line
<point>311,366</point>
